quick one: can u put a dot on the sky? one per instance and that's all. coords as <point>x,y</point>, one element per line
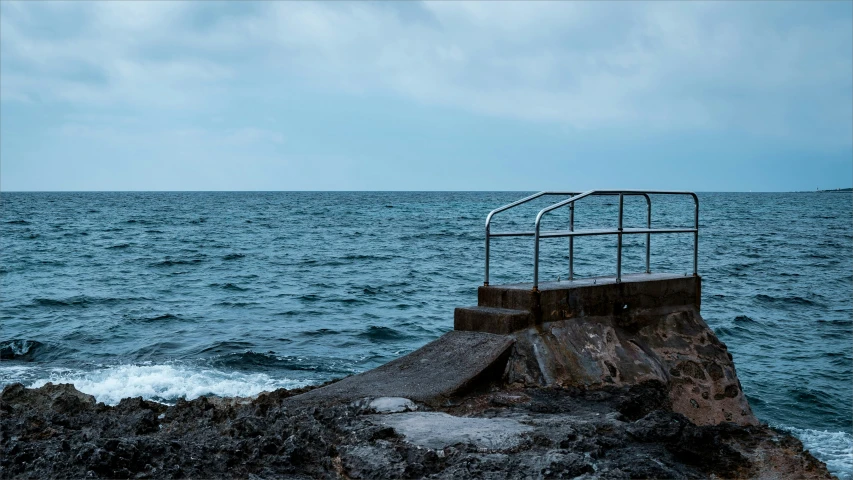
<point>167,95</point>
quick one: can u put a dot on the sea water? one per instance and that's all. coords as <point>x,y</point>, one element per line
<point>177,295</point>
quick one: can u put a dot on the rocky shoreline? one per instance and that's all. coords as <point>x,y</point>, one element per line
<point>497,432</point>
<point>590,380</point>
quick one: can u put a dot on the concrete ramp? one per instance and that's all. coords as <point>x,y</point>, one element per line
<point>452,364</point>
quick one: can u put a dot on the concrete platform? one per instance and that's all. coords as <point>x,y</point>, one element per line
<point>453,364</point>
<point>503,309</point>
<point>500,321</point>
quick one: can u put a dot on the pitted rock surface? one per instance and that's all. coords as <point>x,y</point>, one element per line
<point>612,432</point>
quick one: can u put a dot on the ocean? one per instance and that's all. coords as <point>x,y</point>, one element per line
<point>180,294</point>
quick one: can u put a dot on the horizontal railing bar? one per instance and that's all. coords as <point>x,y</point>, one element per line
<point>625,231</point>
<point>512,234</point>
<point>590,232</point>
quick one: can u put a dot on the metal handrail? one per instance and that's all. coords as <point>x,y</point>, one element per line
<point>507,207</point>
<point>572,233</point>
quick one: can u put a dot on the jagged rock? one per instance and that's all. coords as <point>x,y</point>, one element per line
<point>671,345</point>
<point>611,432</point>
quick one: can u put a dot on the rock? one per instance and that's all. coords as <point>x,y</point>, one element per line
<point>531,432</point>
<point>672,345</point>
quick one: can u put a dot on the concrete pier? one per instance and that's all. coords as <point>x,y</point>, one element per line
<point>588,333</point>
<point>503,309</point>
<point>597,332</point>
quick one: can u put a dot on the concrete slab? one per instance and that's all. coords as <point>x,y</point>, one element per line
<point>392,405</point>
<point>492,320</point>
<point>452,364</point>
<point>437,430</point>
<point>590,296</point>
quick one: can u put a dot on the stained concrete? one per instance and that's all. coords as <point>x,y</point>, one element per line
<point>591,296</point>
<point>448,366</point>
<point>492,320</point>
<point>391,405</point>
<point>438,430</point>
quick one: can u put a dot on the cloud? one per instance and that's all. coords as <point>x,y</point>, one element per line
<point>778,70</point>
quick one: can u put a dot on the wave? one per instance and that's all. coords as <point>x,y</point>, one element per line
<point>229,286</point>
<point>17,222</point>
<point>811,398</point>
<point>320,332</point>
<point>157,319</point>
<point>235,304</point>
<point>253,361</point>
<point>366,257</point>
<point>226,347</point>
<point>79,301</point>
<point>376,333</point>
<point>233,256</point>
<point>20,349</point>
<point>835,449</point>
<point>119,246</point>
<point>167,383</point>
<point>170,263</point>
<point>744,319</point>
<point>785,301</point>
<point>844,322</point>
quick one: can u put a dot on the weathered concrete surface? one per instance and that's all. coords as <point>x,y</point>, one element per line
<point>438,371</point>
<point>390,405</point>
<point>594,296</point>
<point>438,430</point>
<point>500,321</point>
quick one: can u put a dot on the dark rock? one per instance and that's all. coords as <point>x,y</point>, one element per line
<point>612,432</point>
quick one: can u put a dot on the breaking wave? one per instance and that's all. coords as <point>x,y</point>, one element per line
<point>167,383</point>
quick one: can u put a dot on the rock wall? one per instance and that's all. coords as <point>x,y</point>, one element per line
<point>672,345</point>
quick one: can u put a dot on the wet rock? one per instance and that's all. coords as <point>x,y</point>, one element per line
<point>611,432</point>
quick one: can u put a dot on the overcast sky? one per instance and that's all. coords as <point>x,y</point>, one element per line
<point>727,96</point>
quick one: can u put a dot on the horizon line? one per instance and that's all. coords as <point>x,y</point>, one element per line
<point>842,189</point>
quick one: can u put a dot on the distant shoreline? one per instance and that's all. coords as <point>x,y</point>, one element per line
<point>837,190</point>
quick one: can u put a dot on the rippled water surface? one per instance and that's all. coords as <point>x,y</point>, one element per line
<point>170,295</point>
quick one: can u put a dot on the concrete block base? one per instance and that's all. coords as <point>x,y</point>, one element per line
<point>491,320</point>
<point>505,309</point>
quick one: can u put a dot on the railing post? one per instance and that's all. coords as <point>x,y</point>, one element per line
<point>536,253</point>
<point>536,260</point>
<point>572,242</point>
<point>486,280</point>
<point>696,237</point>
<point>619,242</point>
<point>648,235</point>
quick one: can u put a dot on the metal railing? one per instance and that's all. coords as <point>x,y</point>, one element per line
<point>571,233</point>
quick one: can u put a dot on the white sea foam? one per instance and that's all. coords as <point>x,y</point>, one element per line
<point>166,383</point>
<point>833,448</point>
<point>20,373</point>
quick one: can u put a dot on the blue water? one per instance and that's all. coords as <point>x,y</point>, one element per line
<point>170,295</point>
